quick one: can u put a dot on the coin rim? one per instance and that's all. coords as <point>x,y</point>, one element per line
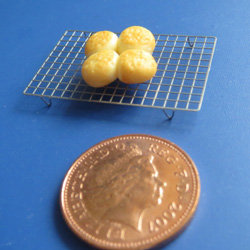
<point>166,235</point>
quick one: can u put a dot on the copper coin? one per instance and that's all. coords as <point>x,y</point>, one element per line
<point>130,192</point>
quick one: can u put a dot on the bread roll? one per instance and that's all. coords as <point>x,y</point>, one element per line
<point>136,37</point>
<point>100,69</point>
<point>136,66</point>
<point>100,41</point>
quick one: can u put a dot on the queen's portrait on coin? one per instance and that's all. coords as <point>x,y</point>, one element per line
<point>121,190</point>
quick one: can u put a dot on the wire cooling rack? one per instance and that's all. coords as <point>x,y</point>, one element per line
<point>179,84</point>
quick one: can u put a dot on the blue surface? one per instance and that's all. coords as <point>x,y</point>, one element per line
<point>38,144</point>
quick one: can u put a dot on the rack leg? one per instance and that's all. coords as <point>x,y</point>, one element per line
<point>170,117</point>
<point>49,103</point>
<point>189,42</point>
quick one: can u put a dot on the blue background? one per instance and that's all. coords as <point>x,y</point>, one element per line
<point>38,144</point>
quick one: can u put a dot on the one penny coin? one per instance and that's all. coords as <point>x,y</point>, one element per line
<point>130,192</point>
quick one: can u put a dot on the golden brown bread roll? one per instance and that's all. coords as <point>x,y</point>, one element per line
<point>100,69</point>
<point>136,37</point>
<point>136,66</point>
<point>100,41</point>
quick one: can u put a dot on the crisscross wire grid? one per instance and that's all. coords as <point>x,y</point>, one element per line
<point>179,84</point>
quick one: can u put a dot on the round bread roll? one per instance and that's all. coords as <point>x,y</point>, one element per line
<point>136,37</point>
<point>136,66</point>
<point>100,69</point>
<point>100,41</point>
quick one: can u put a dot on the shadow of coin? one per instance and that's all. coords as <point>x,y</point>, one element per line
<point>64,233</point>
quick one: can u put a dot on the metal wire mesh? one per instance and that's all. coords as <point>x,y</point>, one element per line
<point>179,84</point>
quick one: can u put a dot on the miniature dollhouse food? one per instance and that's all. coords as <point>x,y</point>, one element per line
<point>101,40</point>
<point>100,69</point>
<point>136,37</point>
<point>136,66</point>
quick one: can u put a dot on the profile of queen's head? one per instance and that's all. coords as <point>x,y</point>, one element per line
<point>120,189</point>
